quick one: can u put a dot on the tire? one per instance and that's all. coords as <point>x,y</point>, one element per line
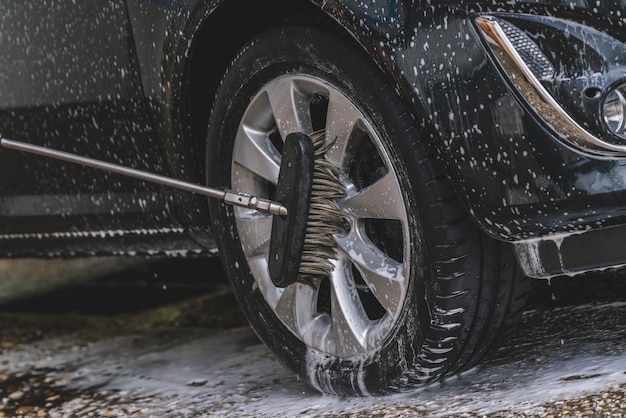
<point>417,292</point>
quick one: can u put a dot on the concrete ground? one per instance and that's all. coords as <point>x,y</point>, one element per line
<point>157,338</point>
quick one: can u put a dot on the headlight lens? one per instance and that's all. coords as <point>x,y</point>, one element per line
<point>614,111</point>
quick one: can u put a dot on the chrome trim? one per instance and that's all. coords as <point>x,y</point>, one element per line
<point>545,106</point>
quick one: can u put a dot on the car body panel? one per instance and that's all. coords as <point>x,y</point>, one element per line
<point>514,175</point>
<point>517,179</point>
<point>506,165</point>
<point>69,80</point>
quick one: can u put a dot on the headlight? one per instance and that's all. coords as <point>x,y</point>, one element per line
<point>564,72</point>
<point>614,111</point>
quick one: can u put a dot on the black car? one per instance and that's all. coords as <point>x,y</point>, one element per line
<point>379,178</point>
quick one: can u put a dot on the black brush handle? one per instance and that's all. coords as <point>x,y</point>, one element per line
<point>293,191</point>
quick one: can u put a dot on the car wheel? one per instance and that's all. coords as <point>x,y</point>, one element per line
<point>415,292</point>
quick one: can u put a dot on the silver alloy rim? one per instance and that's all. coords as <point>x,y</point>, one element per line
<point>363,267</point>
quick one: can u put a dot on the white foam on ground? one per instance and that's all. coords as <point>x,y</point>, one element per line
<point>230,373</point>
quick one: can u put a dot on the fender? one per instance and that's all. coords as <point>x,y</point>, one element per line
<point>504,163</point>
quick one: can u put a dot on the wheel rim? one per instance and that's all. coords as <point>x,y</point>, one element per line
<point>353,311</point>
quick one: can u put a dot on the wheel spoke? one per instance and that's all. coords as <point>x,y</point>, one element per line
<point>319,333</point>
<point>350,322</point>
<point>254,151</point>
<point>296,307</point>
<point>289,106</point>
<point>285,308</point>
<point>306,307</point>
<point>341,119</point>
<point>381,200</point>
<point>384,276</point>
<point>258,268</point>
<point>254,229</point>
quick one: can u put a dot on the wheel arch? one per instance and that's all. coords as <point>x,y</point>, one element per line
<point>218,32</point>
<point>219,35</point>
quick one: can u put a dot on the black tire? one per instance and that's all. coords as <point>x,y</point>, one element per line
<point>458,296</point>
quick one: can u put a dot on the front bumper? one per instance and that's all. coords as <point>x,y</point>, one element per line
<point>569,254</point>
<point>521,171</point>
<point>523,177</point>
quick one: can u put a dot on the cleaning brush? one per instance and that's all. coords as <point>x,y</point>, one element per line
<point>302,244</point>
<point>325,218</point>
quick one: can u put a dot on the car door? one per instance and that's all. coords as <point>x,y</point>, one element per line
<point>69,80</point>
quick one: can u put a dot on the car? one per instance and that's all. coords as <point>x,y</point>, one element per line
<point>381,179</point>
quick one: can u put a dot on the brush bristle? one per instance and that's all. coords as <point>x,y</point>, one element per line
<point>325,217</point>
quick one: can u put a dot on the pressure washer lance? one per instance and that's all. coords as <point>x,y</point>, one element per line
<point>229,197</point>
<point>301,245</point>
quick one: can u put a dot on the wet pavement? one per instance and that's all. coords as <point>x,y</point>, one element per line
<point>157,339</point>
